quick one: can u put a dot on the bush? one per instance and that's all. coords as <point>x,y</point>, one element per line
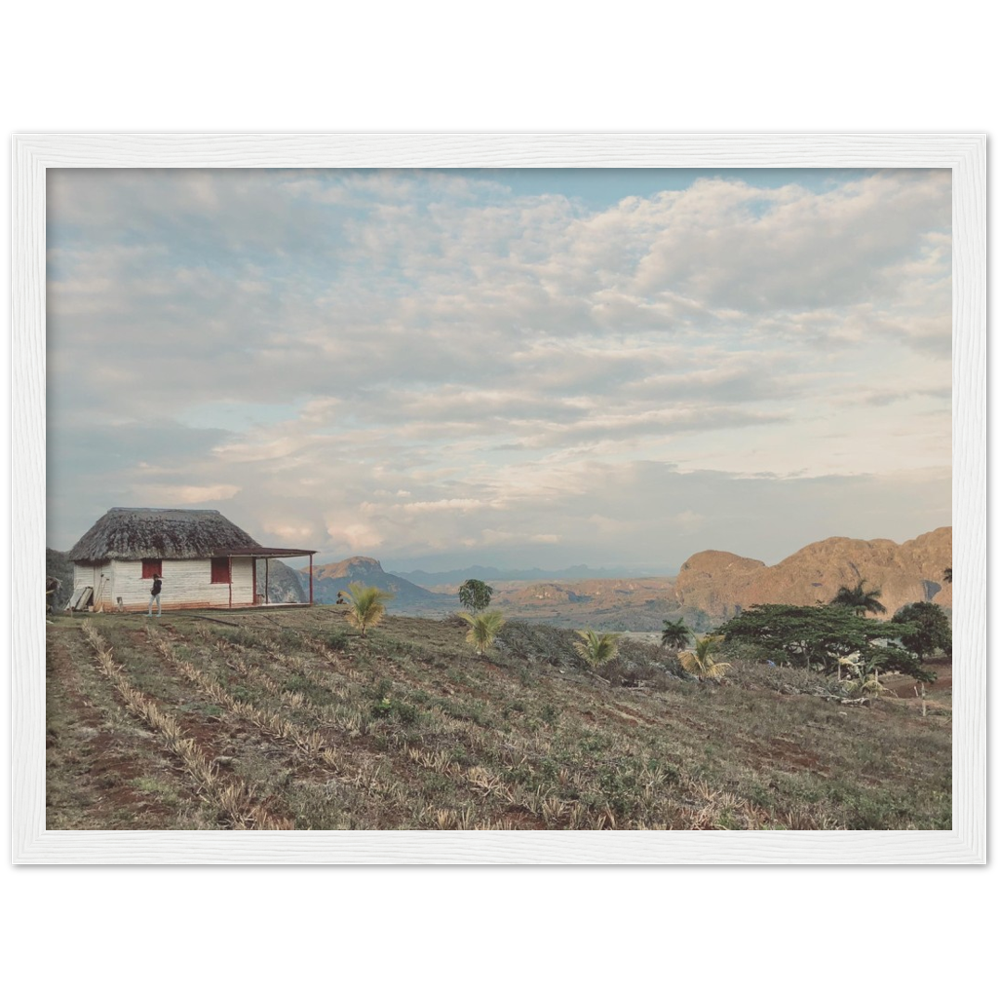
<point>338,642</point>
<point>549,714</point>
<point>629,673</point>
<point>382,709</point>
<point>386,707</point>
<point>406,714</point>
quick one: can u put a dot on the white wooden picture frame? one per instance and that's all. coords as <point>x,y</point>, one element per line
<point>964,154</point>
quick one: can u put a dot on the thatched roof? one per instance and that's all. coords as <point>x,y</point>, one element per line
<point>148,533</point>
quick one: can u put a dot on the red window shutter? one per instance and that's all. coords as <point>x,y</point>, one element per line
<point>220,570</point>
<point>151,566</point>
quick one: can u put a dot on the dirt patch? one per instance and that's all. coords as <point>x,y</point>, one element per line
<point>908,687</point>
<point>788,753</point>
<point>522,819</point>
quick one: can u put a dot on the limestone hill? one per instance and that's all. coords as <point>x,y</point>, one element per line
<point>721,583</point>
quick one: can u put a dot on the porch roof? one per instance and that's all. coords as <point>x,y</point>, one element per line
<point>265,552</point>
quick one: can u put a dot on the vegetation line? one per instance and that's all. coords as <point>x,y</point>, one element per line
<point>538,800</point>
<point>269,723</point>
<point>234,798</point>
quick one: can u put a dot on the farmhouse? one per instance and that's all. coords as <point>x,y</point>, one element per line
<point>205,560</point>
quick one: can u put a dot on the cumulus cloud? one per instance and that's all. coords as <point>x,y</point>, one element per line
<point>167,496</point>
<point>418,361</point>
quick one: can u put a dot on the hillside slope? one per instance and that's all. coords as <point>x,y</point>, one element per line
<point>287,719</point>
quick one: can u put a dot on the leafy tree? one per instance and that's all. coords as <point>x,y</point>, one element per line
<point>892,657</point>
<point>483,629</point>
<point>815,636</point>
<point>597,648</point>
<point>929,628</point>
<point>700,661</point>
<point>860,600</point>
<point>366,606</point>
<point>947,575</point>
<point>676,635</point>
<point>475,595</point>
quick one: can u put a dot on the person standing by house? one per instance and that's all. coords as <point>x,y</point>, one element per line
<point>154,595</point>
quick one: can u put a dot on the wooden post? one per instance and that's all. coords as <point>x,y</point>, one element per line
<point>310,580</point>
<point>230,581</point>
<point>267,581</point>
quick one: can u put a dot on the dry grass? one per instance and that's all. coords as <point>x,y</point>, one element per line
<point>234,798</point>
<point>286,718</point>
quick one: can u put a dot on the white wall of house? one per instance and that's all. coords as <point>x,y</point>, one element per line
<point>90,576</point>
<point>186,583</point>
<point>83,576</point>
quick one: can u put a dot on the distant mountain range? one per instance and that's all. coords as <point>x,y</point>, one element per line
<point>491,574</point>
<point>711,586</point>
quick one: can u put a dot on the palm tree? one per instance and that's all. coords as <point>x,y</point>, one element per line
<point>676,635</point>
<point>366,606</point>
<point>859,600</point>
<point>597,648</point>
<point>700,661</point>
<point>484,629</point>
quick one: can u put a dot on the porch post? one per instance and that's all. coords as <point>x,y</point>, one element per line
<point>230,581</point>
<point>267,581</point>
<point>310,580</point>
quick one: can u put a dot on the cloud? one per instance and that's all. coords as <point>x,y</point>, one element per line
<point>171,495</point>
<point>412,360</point>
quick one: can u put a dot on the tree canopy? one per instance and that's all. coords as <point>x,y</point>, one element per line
<point>929,628</point>
<point>810,636</point>
<point>475,595</point>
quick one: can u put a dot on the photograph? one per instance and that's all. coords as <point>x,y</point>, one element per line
<point>507,499</point>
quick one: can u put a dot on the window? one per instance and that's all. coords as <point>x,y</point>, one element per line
<point>220,570</point>
<point>151,566</point>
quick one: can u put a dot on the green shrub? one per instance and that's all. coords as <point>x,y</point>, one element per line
<point>338,641</point>
<point>382,709</point>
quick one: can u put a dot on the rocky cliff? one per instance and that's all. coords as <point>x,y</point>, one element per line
<point>722,584</point>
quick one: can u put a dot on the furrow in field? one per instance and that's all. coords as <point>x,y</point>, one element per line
<point>233,797</point>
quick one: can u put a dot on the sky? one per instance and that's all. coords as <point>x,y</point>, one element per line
<point>525,368</point>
